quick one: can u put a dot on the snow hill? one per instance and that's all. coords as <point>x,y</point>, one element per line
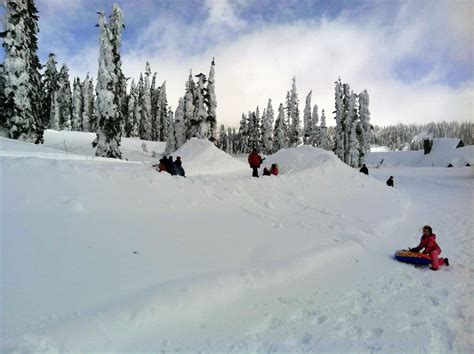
<point>443,153</point>
<point>107,255</point>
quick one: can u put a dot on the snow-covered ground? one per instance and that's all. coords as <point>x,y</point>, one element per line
<point>443,153</point>
<point>102,255</point>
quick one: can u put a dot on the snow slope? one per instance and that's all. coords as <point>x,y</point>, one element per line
<point>104,255</point>
<point>442,154</point>
<point>81,143</point>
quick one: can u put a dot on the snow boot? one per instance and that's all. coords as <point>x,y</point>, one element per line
<point>446,262</point>
<point>433,268</point>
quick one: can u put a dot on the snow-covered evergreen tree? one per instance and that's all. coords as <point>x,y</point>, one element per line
<point>230,141</point>
<point>222,138</point>
<point>209,128</point>
<point>171,138</point>
<point>22,90</point>
<point>324,140</point>
<point>145,119</point>
<point>199,121</point>
<point>315,130</point>
<point>116,25</point>
<point>308,122</point>
<point>131,119</point>
<point>50,86</point>
<point>64,99</point>
<point>267,128</point>
<point>88,117</point>
<point>243,146</point>
<point>107,109</point>
<point>180,128</point>
<point>189,107</point>
<point>162,112</point>
<point>364,127</point>
<point>77,105</point>
<point>55,112</point>
<point>279,135</point>
<point>295,128</point>
<point>352,144</point>
<point>339,146</point>
<point>254,130</point>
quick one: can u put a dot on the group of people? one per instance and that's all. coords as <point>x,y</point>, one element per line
<point>365,171</point>
<point>255,161</point>
<point>174,168</point>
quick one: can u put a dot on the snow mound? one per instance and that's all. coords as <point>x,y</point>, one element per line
<point>302,158</point>
<point>201,157</point>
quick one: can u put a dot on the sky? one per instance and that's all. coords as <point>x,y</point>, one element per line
<point>415,58</point>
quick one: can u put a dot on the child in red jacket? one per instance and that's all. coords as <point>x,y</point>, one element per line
<point>431,248</point>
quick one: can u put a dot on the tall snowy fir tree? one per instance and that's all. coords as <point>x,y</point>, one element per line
<point>145,110</point>
<point>200,109</point>
<point>364,127</point>
<point>267,128</point>
<point>88,118</point>
<point>352,144</point>
<point>324,140</point>
<point>339,146</point>
<point>179,123</point>
<point>189,107</point>
<point>171,138</point>
<point>107,110</point>
<point>162,113</point>
<point>254,130</point>
<point>294,115</point>
<point>243,146</point>
<point>77,105</point>
<point>222,138</point>
<point>63,100</point>
<point>209,129</point>
<point>50,86</point>
<point>315,130</point>
<point>131,119</point>
<point>230,141</point>
<point>22,90</point>
<point>116,25</point>
<point>308,122</point>
<point>279,135</point>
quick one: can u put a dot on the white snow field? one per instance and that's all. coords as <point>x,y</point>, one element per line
<point>443,153</point>
<point>102,255</point>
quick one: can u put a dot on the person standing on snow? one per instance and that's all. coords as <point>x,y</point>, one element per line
<point>255,160</point>
<point>390,181</point>
<point>431,248</point>
<point>364,170</point>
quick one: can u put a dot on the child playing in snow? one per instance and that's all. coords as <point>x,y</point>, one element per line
<point>431,248</point>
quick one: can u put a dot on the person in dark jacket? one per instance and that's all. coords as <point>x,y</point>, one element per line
<point>266,172</point>
<point>171,168</point>
<point>364,170</point>
<point>430,247</point>
<point>390,181</point>
<point>179,166</point>
<point>255,160</point>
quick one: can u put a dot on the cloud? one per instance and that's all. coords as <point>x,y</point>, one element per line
<point>402,53</point>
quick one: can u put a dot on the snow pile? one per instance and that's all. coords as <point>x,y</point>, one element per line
<point>201,157</point>
<point>303,158</point>
<point>443,153</point>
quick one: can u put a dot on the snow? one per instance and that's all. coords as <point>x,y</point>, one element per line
<point>105,255</point>
<point>81,143</point>
<point>442,154</point>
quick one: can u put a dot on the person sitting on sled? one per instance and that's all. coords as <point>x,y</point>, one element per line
<point>274,169</point>
<point>431,248</point>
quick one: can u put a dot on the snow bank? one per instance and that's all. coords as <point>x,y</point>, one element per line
<point>302,159</point>
<point>201,157</point>
<point>133,149</point>
<point>443,153</point>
